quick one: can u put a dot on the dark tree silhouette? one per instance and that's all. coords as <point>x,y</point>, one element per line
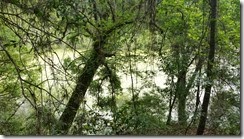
<point>210,64</point>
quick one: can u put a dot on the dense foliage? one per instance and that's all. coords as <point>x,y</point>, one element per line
<point>120,67</point>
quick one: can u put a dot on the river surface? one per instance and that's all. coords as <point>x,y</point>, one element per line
<point>56,78</point>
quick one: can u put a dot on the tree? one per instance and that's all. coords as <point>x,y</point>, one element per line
<point>211,54</point>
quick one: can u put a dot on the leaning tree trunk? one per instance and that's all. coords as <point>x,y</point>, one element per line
<point>82,85</point>
<point>171,105</point>
<point>96,59</point>
<point>203,118</point>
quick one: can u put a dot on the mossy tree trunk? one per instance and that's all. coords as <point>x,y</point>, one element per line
<point>79,92</point>
<point>96,59</point>
<point>181,95</point>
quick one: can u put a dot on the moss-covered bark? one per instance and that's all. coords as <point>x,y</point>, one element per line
<point>82,85</point>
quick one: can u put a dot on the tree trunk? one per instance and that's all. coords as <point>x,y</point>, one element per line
<point>77,96</point>
<point>171,105</point>
<point>171,101</point>
<point>152,14</point>
<point>196,105</point>
<point>208,87</point>
<point>96,59</point>
<point>181,95</point>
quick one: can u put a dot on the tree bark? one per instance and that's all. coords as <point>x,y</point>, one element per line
<point>181,95</point>
<point>203,118</point>
<point>171,105</point>
<point>96,59</point>
<point>152,14</point>
<point>77,96</point>
<point>171,102</point>
<point>181,83</point>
